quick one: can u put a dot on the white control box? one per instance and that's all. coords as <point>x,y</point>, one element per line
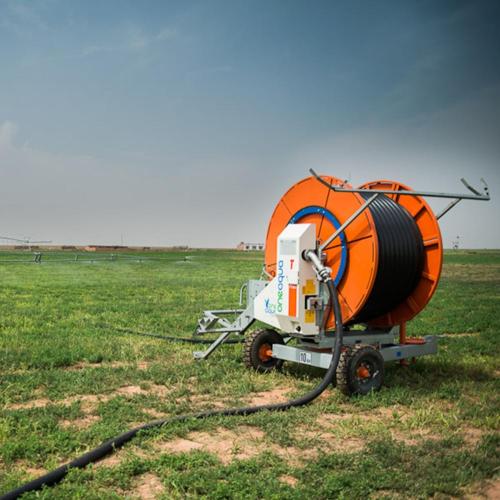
<point>283,303</point>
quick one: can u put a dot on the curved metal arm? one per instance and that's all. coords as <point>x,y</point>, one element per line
<point>469,187</point>
<point>430,194</point>
<point>245,285</point>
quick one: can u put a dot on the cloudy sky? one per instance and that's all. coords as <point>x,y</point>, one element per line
<point>184,122</point>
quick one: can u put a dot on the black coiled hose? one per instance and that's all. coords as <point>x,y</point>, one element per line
<point>400,255</point>
<point>400,258</point>
<point>111,445</point>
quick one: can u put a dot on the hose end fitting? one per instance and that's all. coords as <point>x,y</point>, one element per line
<point>324,273</point>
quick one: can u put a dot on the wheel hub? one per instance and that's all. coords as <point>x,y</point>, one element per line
<point>363,372</point>
<point>265,352</point>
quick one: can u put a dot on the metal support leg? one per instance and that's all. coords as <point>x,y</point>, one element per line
<point>216,343</point>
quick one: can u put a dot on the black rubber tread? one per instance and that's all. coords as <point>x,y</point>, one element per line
<point>346,382</point>
<point>400,258</point>
<point>251,350</point>
<point>341,375</point>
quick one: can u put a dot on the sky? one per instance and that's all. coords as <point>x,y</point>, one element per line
<point>183,123</point>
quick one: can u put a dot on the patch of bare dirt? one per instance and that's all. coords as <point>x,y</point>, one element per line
<point>492,490</point>
<point>471,436</point>
<point>154,413</point>
<point>203,400</point>
<point>81,423</point>
<point>35,471</point>
<point>180,445</point>
<point>290,480</point>
<point>325,394</point>
<point>347,423</point>
<point>111,460</point>
<point>226,444</point>
<point>387,416</point>
<point>385,494</point>
<point>244,443</point>
<point>330,442</point>
<point>413,437</point>
<point>118,457</point>
<point>148,487</point>
<point>488,490</point>
<point>83,365</point>
<point>332,420</point>
<point>32,470</point>
<point>320,432</point>
<point>34,403</point>
<point>382,415</point>
<point>130,390</point>
<point>279,395</point>
<point>90,401</point>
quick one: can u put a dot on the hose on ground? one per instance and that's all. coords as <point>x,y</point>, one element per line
<point>173,338</point>
<point>111,445</point>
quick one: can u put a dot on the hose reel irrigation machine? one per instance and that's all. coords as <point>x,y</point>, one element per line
<point>359,263</point>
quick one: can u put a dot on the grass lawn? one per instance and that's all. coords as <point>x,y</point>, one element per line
<point>69,382</point>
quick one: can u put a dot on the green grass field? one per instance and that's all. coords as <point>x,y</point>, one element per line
<point>68,383</point>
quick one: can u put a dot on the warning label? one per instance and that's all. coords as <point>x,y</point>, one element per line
<point>309,288</point>
<point>310,316</point>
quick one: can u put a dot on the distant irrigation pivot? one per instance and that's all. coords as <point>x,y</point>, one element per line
<point>55,258</point>
<point>26,241</point>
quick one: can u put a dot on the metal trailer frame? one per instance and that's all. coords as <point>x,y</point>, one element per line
<point>310,350</point>
<point>224,322</point>
<point>319,354</point>
<point>317,350</point>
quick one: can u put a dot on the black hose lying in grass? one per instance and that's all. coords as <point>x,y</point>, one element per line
<point>111,445</point>
<point>188,340</point>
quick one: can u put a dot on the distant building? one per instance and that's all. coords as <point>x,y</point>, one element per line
<point>104,248</point>
<point>250,246</point>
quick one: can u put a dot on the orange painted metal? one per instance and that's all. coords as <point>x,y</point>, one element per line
<point>402,333</point>
<point>361,238</point>
<point>433,253</point>
<point>362,372</point>
<point>362,244</point>
<point>292,300</point>
<point>415,341</point>
<point>265,352</point>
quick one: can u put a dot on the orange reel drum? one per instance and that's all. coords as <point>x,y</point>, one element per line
<point>358,268</point>
<point>354,256</point>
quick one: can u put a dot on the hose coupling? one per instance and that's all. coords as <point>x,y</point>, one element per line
<point>324,273</point>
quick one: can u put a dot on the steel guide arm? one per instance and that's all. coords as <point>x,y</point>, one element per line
<point>431,194</point>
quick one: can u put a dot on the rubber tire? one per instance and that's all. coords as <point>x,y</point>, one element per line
<point>253,342</point>
<point>350,359</point>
